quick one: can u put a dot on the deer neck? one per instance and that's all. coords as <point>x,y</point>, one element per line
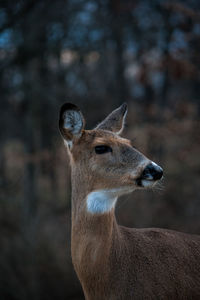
<point>92,231</point>
<point>88,199</point>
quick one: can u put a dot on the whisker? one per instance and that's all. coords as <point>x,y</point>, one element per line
<point>159,187</point>
<point>122,202</point>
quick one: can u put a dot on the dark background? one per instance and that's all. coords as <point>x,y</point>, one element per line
<point>96,54</point>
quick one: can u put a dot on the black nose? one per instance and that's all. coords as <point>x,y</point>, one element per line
<point>152,172</point>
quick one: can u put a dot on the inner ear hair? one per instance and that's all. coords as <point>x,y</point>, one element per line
<point>71,122</point>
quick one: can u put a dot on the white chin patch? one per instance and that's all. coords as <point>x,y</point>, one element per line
<point>147,183</point>
<point>99,202</point>
<point>103,201</point>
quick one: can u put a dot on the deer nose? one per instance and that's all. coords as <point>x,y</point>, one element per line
<point>152,172</point>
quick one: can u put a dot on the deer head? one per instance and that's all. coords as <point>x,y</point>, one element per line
<point>104,161</point>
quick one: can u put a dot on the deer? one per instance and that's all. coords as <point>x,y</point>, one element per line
<point>113,262</point>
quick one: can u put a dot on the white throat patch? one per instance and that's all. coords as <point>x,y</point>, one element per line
<point>102,201</point>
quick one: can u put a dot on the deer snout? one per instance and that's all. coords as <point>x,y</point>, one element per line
<point>152,172</point>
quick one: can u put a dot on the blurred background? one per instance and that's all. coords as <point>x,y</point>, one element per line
<point>96,54</point>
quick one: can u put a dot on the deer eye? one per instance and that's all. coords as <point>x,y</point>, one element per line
<point>101,149</point>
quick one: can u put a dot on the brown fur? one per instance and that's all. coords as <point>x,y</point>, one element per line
<point>114,262</point>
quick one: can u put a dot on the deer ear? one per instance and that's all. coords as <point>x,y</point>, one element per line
<point>71,123</point>
<point>115,121</point>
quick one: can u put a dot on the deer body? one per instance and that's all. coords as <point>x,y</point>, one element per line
<point>111,261</point>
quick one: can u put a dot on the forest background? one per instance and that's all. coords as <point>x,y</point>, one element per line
<point>96,54</point>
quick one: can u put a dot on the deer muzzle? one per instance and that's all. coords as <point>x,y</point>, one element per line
<point>151,173</point>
